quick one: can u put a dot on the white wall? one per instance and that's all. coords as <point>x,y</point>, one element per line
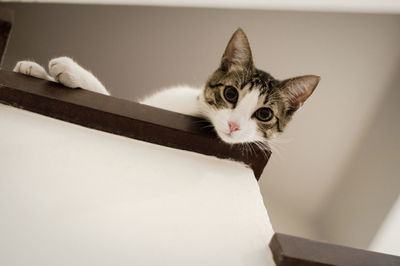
<point>387,240</point>
<point>70,195</point>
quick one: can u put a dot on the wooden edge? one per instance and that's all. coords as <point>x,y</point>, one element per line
<point>123,118</point>
<point>290,250</point>
<point>6,20</point>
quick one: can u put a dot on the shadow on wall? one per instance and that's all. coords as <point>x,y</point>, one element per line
<point>371,174</point>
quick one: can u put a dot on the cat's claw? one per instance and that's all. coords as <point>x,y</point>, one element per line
<point>31,68</point>
<point>65,71</point>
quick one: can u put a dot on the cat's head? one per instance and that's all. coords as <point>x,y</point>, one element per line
<point>246,104</point>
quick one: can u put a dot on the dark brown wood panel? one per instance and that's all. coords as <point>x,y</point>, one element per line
<point>6,19</point>
<point>289,251</point>
<point>123,118</point>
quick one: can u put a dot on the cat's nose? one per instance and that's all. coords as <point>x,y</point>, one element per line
<point>233,126</point>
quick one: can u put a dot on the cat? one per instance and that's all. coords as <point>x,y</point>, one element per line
<point>243,103</point>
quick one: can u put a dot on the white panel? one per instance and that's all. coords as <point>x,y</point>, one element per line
<point>387,240</point>
<point>75,196</point>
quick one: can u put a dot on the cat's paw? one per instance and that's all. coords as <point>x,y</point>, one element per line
<point>31,69</point>
<point>66,71</point>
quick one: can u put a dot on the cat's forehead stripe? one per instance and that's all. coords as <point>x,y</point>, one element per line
<point>215,85</point>
<point>218,100</point>
<point>266,99</point>
<point>249,102</point>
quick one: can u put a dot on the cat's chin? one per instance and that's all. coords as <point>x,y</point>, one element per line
<point>228,139</point>
<point>231,139</point>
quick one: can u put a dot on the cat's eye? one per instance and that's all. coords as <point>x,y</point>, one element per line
<point>264,114</point>
<point>231,94</point>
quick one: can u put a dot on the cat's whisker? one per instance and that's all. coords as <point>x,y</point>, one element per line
<point>200,121</point>
<point>208,126</point>
<point>259,149</point>
<point>278,145</point>
<point>253,152</point>
<point>261,146</point>
<point>276,150</point>
<point>281,140</point>
<point>265,145</point>
<point>242,148</point>
<point>245,148</point>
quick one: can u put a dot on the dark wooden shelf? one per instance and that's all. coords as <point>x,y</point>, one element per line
<point>6,21</point>
<point>290,250</point>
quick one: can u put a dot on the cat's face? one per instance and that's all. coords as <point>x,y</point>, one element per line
<point>246,104</point>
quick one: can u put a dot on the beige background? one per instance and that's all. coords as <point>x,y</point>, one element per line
<point>335,173</point>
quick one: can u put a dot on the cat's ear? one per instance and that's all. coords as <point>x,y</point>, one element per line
<point>237,53</point>
<point>298,89</point>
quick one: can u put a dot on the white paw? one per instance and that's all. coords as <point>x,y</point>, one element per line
<point>31,69</point>
<point>66,71</point>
